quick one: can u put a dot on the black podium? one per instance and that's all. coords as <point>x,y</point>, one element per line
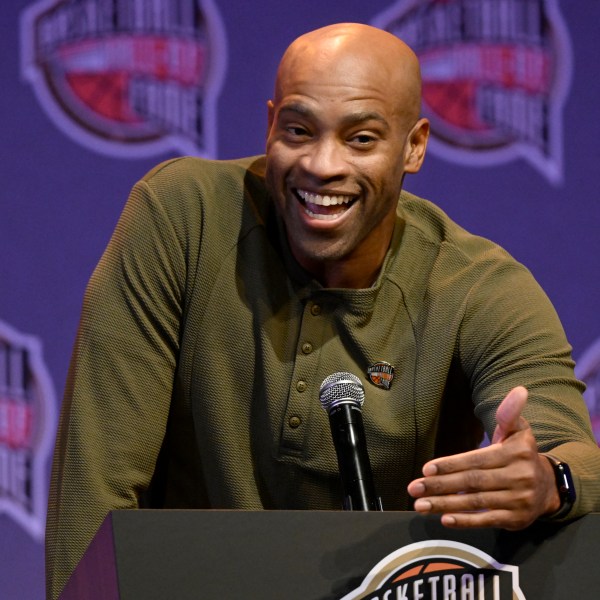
<point>289,555</point>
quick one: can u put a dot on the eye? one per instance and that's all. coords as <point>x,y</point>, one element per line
<point>296,130</point>
<point>296,134</point>
<point>363,140</point>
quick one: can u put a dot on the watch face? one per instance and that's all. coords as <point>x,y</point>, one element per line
<point>565,485</point>
<point>565,481</point>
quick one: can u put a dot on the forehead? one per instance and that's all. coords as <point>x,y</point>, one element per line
<point>348,83</point>
<point>325,68</point>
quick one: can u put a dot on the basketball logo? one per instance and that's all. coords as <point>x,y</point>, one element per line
<point>27,409</point>
<point>381,374</point>
<point>439,569</point>
<point>127,78</point>
<point>495,74</point>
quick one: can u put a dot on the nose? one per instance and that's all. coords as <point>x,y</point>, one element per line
<point>325,159</point>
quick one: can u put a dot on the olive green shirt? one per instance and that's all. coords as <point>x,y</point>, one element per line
<point>202,346</point>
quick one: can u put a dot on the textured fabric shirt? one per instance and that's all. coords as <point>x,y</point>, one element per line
<point>202,346</point>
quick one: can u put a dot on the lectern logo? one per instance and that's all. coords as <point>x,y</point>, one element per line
<point>129,78</point>
<point>496,75</point>
<point>27,408</point>
<point>436,570</point>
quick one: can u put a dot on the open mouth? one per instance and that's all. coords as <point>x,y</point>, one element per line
<point>324,207</point>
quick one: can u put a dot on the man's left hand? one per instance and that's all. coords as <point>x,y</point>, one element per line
<point>507,484</point>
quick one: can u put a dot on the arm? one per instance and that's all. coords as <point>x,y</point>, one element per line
<point>511,337</point>
<point>119,385</point>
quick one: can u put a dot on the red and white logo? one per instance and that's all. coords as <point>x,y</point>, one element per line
<point>438,569</point>
<point>495,77</point>
<point>127,79</point>
<point>27,427</point>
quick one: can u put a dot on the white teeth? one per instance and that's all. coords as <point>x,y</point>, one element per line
<point>323,200</point>
<point>320,217</point>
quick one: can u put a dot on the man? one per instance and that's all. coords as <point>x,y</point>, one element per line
<point>230,290</point>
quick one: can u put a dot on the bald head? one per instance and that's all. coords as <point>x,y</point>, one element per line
<point>353,49</point>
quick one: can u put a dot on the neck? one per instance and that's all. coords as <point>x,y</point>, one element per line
<point>357,269</point>
<point>352,272</point>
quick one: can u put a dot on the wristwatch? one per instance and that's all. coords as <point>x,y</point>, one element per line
<point>564,485</point>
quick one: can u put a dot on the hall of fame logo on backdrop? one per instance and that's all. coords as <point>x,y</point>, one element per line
<point>588,370</point>
<point>439,569</point>
<point>496,74</point>
<point>27,427</point>
<point>128,79</point>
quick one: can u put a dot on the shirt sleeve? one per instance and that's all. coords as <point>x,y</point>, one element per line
<point>120,381</point>
<point>511,335</point>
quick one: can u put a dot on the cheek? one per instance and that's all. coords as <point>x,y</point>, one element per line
<point>382,177</point>
<point>278,158</point>
<point>384,167</point>
<point>392,174</point>
<point>276,177</point>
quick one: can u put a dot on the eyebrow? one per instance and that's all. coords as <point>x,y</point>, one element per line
<point>350,119</point>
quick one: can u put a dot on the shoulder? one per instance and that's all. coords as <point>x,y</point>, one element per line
<point>191,190</point>
<point>188,174</point>
<point>450,244</point>
<point>441,264</point>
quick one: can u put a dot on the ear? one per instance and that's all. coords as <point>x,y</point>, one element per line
<point>270,115</point>
<point>416,146</point>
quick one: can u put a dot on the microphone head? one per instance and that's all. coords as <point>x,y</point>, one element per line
<point>341,388</point>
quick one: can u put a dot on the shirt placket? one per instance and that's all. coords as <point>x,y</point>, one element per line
<point>303,396</point>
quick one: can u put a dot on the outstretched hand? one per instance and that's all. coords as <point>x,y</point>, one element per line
<point>508,484</point>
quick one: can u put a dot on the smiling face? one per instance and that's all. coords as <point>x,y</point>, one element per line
<point>343,130</point>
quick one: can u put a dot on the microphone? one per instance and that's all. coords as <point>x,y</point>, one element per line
<point>342,396</point>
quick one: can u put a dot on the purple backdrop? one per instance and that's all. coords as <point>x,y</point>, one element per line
<point>61,198</point>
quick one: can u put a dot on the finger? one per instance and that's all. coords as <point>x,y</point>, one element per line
<point>509,500</point>
<point>501,519</point>
<point>508,414</point>
<point>496,467</point>
<point>464,482</point>
<point>489,457</point>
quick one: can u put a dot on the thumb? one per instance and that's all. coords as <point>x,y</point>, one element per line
<point>508,415</point>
